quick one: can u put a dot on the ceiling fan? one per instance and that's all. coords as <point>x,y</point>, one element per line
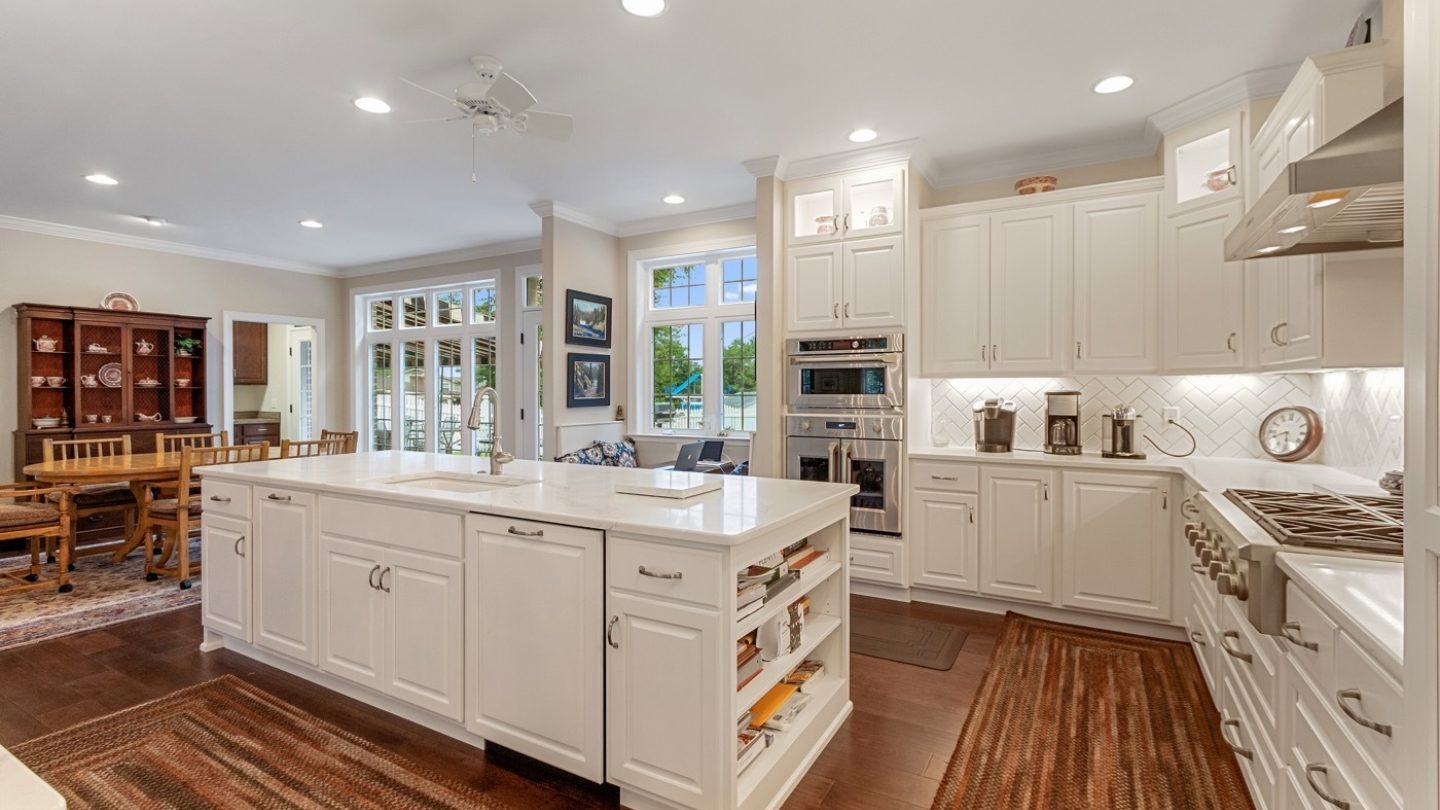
<point>498,102</point>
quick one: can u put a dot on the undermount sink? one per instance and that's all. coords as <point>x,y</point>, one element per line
<point>458,482</point>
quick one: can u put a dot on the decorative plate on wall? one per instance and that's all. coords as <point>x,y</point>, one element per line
<point>120,302</point>
<point>112,375</point>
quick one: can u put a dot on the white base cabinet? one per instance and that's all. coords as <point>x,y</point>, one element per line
<point>945,548</point>
<point>1113,551</point>
<point>225,598</point>
<point>1017,533</point>
<point>284,572</point>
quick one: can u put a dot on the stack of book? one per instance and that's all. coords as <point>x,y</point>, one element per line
<point>806,675</point>
<point>750,743</point>
<point>747,661</point>
<point>766,579</point>
<point>801,554</point>
<point>777,710</point>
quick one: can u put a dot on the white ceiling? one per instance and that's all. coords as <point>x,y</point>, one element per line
<point>233,119</point>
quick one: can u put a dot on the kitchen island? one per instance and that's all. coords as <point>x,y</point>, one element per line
<point>539,609</point>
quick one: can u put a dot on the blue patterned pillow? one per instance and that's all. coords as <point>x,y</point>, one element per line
<point>619,454</point>
<point>589,456</point>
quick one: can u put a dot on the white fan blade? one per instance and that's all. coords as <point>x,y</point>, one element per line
<point>555,126</point>
<point>433,120</point>
<point>511,94</point>
<point>422,88</point>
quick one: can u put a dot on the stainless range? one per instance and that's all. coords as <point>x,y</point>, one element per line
<point>1242,564</point>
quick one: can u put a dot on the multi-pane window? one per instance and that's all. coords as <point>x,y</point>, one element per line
<point>534,292</point>
<point>699,373</point>
<point>442,348</point>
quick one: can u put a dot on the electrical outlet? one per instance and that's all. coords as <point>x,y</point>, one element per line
<point>1168,415</point>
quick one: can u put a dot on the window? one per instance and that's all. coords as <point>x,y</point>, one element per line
<point>534,292</point>
<point>698,327</point>
<point>422,368</point>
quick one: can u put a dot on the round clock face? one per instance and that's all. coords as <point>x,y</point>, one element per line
<point>1290,434</point>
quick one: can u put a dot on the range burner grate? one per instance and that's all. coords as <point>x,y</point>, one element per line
<point>1355,523</point>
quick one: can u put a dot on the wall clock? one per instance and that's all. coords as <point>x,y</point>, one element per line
<point>1291,433</point>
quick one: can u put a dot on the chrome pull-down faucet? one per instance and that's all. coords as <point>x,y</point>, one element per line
<point>498,457</point>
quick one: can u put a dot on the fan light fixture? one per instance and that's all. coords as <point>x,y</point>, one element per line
<point>863,135</point>
<point>1114,84</point>
<point>644,8</point>
<point>673,199</point>
<point>102,179</point>
<point>311,223</point>
<point>372,105</point>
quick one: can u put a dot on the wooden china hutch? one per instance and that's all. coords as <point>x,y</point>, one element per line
<point>100,372</point>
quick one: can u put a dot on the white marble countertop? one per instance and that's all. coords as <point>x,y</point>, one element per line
<point>21,789</point>
<point>1365,597</point>
<point>571,494</point>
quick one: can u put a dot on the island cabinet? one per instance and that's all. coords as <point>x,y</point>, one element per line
<point>284,572</point>
<point>225,542</point>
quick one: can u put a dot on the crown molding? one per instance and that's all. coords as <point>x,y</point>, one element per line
<point>772,166</point>
<point>569,213</point>
<point>444,257</point>
<point>689,219</point>
<point>863,158</point>
<point>160,245</point>
<point>1223,97</point>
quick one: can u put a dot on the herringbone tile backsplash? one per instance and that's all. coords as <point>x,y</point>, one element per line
<point>1364,420</point>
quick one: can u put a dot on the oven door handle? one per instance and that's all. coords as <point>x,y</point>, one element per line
<point>832,460</point>
<point>884,358</point>
<point>847,453</point>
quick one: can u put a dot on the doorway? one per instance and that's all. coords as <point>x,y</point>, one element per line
<point>273,371</point>
<point>531,441</point>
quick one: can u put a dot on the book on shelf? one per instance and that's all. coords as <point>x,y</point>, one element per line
<point>770,702</point>
<point>805,558</point>
<point>750,743</point>
<point>750,665</point>
<point>749,610</point>
<point>778,585</point>
<point>782,718</point>
<point>749,593</point>
<point>807,675</point>
<point>762,574</point>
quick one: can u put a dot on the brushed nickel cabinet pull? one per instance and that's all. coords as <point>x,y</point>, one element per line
<point>1313,768</point>
<point>847,309</point>
<point>1273,330</point>
<point>646,572</point>
<point>835,311</point>
<point>994,352</point>
<point>1045,491</point>
<point>219,499</point>
<point>1199,569</point>
<point>972,515</point>
<point>373,572</point>
<point>1243,656</point>
<point>1278,328</point>
<point>522,533</point>
<point>1199,638</point>
<point>610,632</point>
<point>1344,696</point>
<point>383,586</point>
<point>1288,628</point>
<point>1165,499</point>
<point>982,352</point>
<point>1230,342</point>
<point>934,477</point>
<point>847,224</point>
<point>1077,350</point>
<point>1237,748</point>
<point>238,541</point>
<point>272,496</point>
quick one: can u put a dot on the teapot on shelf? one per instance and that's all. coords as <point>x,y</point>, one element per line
<point>143,346</point>
<point>148,417</point>
<point>45,343</point>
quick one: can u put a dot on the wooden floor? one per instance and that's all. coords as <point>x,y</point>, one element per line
<point>891,753</point>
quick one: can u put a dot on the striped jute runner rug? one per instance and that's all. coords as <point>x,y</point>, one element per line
<point>225,744</point>
<point>1080,719</point>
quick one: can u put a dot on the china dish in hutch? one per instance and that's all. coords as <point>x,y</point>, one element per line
<point>112,375</point>
<point>120,302</point>
<point>46,344</point>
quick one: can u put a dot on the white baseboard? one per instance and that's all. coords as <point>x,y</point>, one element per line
<point>894,593</point>
<point>986,604</point>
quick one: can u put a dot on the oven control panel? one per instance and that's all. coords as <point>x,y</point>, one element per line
<point>882,427</point>
<point>872,344</point>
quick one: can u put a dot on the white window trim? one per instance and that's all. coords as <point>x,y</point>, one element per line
<point>711,315</point>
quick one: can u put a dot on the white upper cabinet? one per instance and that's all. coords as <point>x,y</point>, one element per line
<point>955,296</point>
<point>873,285</point>
<point>857,205</point>
<point>814,283</point>
<point>814,210</point>
<point>1204,295</point>
<point>1203,162</point>
<point>1030,263</point>
<point>1116,280</point>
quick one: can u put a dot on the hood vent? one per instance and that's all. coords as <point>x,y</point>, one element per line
<point>1347,195</point>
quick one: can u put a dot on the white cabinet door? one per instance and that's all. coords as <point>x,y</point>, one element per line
<point>225,600</point>
<point>814,210</point>
<point>1116,298</point>
<point>813,287</point>
<point>352,611</point>
<point>1017,533</point>
<point>1115,544</point>
<point>424,631</point>
<point>1272,277</point>
<point>537,685</point>
<point>1204,295</point>
<point>1304,305</point>
<point>943,540</point>
<point>955,296</point>
<point>874,283</point>
<point>284,550</point>
<point>663,721</point>
<point>874,203</point>
<point>1030,260</point>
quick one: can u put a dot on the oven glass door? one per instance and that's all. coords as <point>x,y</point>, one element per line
<point>846,382</point>
<point>813,459</point>
<point>874,466</point>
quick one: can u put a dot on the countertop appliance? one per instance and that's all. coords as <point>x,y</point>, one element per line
<point>850,373</point>
<point>860,448</point>
<point>1062,423</point>
<point>994,425</point>
<point>1242,564</point>
<point>1120,433</point>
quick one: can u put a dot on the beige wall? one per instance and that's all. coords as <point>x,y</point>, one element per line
<point>1075,177</point>
<point>43,269</point>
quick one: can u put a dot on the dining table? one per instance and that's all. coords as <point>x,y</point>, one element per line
<point>138,470</point>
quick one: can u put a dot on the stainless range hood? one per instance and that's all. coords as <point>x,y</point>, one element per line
<point>1346,195</point>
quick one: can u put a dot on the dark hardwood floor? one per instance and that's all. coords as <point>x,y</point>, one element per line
<point>891,753</point>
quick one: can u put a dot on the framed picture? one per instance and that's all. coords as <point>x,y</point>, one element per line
<point>588,380</point>
<point>587,319</point>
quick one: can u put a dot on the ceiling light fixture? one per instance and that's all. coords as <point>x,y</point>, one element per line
<point>1293,229</point>
<point>102,179</point>
<point>311,223</point>
<point>156,221</point>
<point>1267,249</point>
<point>643,8</point>
<point>863,135</point>
<point>1325,199</point>
<point>1114,84</point>
<point>372,105</point>
<point>674,199</point>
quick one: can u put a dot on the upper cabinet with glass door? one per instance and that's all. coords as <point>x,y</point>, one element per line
<point>855,205</point>
<point>1203,163</point>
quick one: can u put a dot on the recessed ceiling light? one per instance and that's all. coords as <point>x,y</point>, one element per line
<point>1114,84</point>
<point>372,105</point>
<point>674,199</point>
<point>102,179</point>
<point>1267,249</point>
<point>863,135</point>
<point>1293,229</point>
<point>643,8</point>
<point>156,221</point>
<point>311,223</point>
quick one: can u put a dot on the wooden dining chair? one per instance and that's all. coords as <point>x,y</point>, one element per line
<point>92,499</point>
<point>175,442</point>
<point>352,438</point>
<point>27,513</point>
<point>175,516</point>
<point>313,447</point>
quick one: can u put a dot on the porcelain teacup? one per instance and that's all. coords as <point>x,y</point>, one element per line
<point>55,382</point>
<point>89,380</point>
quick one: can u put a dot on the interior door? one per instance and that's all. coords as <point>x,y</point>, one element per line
<point>955,296</point>
<point>813,281</point>
<point>1116,297</point>
<point>352,612</point>
<point>874,277</point>
<point>299,420</point>
<point>424,631</point>
<point>1030,261</point>
<point>531,418</point>
<point>1204,294</point>
<point>1017,544</point>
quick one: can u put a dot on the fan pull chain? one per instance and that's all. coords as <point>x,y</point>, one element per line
<point>473,127</point>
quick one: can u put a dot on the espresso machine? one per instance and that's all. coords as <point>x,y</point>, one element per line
<point>994,425</point>
<point>1062,423</point>
<point>1121,433</point>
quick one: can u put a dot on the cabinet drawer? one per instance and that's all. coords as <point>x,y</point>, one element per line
<point>670,572</point>
<point>877,559</point>
<point>1309,637</point>
<point>1257,758</point>
<point>1365,694</point>
<point>945,476</point>
<point>266,429</point>
<point>1202,592</point>
<point>1322,760</point>
<point>225,498</point>
<point>1202,643</point>
<point>411,529</point>
<point>1256,659</point>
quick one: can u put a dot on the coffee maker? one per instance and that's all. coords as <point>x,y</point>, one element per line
<point>994,425</point>
<point>1062,423</point>
<point>1121,432</point>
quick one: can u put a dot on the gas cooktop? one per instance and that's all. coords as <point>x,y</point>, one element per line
<point>1323,520</point>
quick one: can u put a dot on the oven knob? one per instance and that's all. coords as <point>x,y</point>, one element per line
<point>805,425</point>
<point>877,428</point>
<point>1232,585</point>
<point>1192,534</point>
<point>1200,547</point>
<point>854,344</point>
<point>1207,556</point>
<point>1217,570</point>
